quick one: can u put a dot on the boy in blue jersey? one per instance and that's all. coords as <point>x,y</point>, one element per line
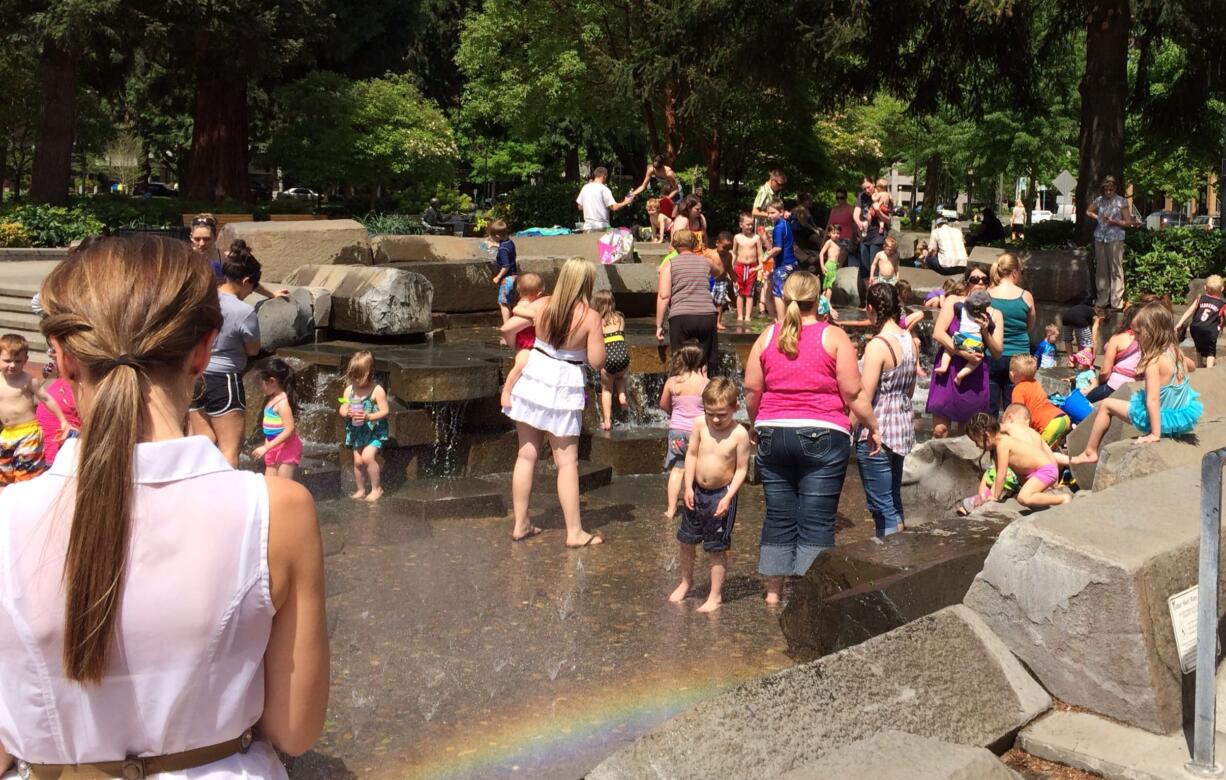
<point>782,252</point>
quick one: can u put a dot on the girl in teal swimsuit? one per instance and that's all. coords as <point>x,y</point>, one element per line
<point>364,405</point>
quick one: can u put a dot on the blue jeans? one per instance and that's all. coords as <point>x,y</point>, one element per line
<point>867,253</point>
<point>882,478</point>
<point>802,471</point>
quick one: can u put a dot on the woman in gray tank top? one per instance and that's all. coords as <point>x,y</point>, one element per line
<point>684,297</point>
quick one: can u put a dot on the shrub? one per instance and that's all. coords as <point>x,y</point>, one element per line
<point>1157,272</point>
<point>1203,251</point>
<point>13,234</point>
<point>1052,234</point>
<point>546,205</point>
<point>53,226</point>
<point>392,224</point>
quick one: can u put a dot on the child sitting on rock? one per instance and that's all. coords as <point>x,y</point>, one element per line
<point>1019,448</point>
<point>1167,405</point>
<point>529,287</point>
<point>1045,417</point>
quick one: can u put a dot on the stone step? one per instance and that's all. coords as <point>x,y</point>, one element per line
<point>17,322</point>
<point>629,450</point>
<point>15,303</point>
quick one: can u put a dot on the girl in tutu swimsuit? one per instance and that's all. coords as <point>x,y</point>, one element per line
<point>1167,405</point>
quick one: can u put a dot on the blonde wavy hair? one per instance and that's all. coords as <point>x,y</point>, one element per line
<point>800,294</point>
<point>1155,329</point>
<point>574,287</point>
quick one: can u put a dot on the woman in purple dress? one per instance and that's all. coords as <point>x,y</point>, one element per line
<point>950,401</point>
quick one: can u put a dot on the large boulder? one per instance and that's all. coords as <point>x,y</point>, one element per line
<point>940,472</point>
<point>1122,461</point>
<point>1079,594</point>
<point>283,246</point>
<point>417,249</point>
<point>943,676</point>
<point>897,755</point>
<point>846,291</point>
<point>854,592</point>
<point>286,321</point>
<point>374,301</point>
<point>459,285</point>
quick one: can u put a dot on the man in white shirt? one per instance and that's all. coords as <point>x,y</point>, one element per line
<point>946,249</point>
<point>596,201</point>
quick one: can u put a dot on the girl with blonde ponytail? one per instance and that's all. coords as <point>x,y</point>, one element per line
<point>140,545</point>
<point>801,382</point>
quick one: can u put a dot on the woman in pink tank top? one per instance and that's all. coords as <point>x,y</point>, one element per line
<point>801,381</point>
<point>161,605</point>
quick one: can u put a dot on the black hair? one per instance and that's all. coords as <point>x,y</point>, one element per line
<point>886,306</point>
<point>240,264</point>
<point>278,369</point>
<point>659,161</point>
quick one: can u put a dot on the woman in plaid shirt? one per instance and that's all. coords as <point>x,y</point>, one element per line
<point>888,377</point>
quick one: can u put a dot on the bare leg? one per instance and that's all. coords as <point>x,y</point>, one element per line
<point>521,360</point>
<point>774,590</point>
<point>943,365</point>
<point>198,423</point>
<point>270,471</point>
<point>619,384</point>
<point>675,478</point>
<point>229,430</point>
<point>1209,361</point>
<point>966,371</point>
<point>606,400</point>
<point>286,470</point>
<point>566,459</point>
<point>719,567</point>
<point>687,553</point>
<point>1111,407</point>
<point>370,459</point>
<point>523,474</point>
<point>359,475</point>
<point>719,318</point>
<point>779,309</point>
<point>1035,496</point>
<point>505,311</point>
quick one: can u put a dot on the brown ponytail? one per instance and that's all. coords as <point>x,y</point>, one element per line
<point>128,310</point>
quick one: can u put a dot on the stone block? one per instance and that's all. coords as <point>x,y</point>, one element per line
<point>425,249</point>
<point>445,498</point>
<point>922,280</point>
<point>940,472</point>
<point>1079,594</point>
<point>897,755</point>
<point>1056,275</point>
<point>374,301</point>
<point>846,290</point>
<point>857,591</point>
<point>282,247</point>
<point>459,285</point>
<point>285,321</point>
<point>944,676</point>
<point>1122,461</point>
<point>629,450</point>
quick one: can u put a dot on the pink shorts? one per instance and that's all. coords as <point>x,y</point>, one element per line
<point>288,452</point>
<point>1048,474</point>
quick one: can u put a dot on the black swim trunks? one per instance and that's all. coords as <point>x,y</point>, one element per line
<point>702,526</point>
<point>218,394</point>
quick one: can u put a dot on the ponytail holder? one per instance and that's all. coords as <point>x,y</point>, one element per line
<point>127,360</point>
<point>823,306</point>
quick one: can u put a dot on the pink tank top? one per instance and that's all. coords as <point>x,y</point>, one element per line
<point>1125,368</point>
<point>686,409</point>
<point>803,388</point>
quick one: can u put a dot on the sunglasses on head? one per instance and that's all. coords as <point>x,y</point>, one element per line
<point>198,221</point>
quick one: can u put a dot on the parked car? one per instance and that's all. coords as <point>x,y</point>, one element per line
<point>154,189</point>
<point>1039,215</point>
<point>259,190</point>
<point>1205,222</point>
<point>300,193</point>
<point>1161,220</point>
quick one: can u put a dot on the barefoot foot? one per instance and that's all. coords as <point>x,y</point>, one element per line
<point>374,495</point>
<point>678,595</point>
<point>606,425</point>
<point>772,599</point>
<point>359,494</point>
<point>1088,456</point>
<point>710,605</point>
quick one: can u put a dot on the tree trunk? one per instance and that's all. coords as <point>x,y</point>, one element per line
<point>57,121</point>
<point>1032,185</point>
<point>572,164</point>
<point>714,157</point>
<point>932,183</point>
<point>218,162</point>
<point>653,135</point>
<point>673,98</point>
<point>1104,89</point>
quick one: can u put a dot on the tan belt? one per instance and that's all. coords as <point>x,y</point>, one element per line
<point>137,768</point>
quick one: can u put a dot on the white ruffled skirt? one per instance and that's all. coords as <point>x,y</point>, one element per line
<point>550,394</point>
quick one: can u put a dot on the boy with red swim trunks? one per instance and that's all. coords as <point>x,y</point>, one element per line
<point>748,252</point>
<point>528,287</point>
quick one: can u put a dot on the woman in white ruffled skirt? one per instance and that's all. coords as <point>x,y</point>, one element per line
<point>548,398</point>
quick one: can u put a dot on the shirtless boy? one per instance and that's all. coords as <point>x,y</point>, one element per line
<point>21,441</point>
<point>715,468</point>
<point>748,251</point>
<point>1018,447</point>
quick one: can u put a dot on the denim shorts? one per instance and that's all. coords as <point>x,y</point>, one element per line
<point>802,472</point>
<point>506,291</point>
<point>700,525</point>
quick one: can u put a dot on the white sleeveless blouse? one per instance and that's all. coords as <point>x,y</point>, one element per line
<point>186,669</point>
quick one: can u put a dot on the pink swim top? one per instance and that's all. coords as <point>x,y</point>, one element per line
<point>686,409</point>
<point>1125,368</point>
<point>803,389</point>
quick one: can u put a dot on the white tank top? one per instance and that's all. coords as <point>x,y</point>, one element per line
<point>186,669</point>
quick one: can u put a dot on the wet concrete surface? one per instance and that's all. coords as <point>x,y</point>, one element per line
<point>457,653</point>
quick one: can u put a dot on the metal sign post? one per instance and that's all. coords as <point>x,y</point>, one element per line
<point>1203,763</point>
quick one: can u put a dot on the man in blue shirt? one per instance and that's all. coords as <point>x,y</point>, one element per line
<point>783,250</point>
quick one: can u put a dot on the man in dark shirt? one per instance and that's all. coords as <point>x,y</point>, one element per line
<point>432,219</point>
<point>989,230</point>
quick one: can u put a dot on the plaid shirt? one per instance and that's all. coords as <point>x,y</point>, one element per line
<point>892,402</point>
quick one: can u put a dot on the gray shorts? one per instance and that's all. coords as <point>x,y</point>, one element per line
<point>678,445</point>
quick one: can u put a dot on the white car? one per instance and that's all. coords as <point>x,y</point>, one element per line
<point>300,193</point>
<point>947,213</point>
<point>1039,215</point>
